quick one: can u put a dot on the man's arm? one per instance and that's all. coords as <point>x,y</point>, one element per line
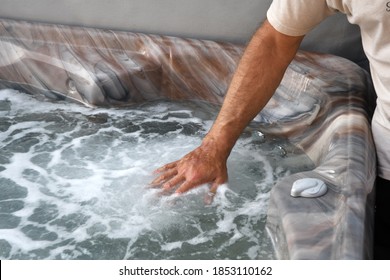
<point>258,74</point>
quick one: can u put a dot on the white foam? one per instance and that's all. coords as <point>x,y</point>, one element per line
<point>95,176</point>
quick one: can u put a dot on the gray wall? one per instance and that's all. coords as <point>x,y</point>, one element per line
<point>222,20</point>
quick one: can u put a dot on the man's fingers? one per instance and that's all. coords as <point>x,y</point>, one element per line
<point>212,192</point>
<point>166,167</point>
<point>173,182</point>
<point>186,186</point>
<point>214,187</point>
<point>164,177</point>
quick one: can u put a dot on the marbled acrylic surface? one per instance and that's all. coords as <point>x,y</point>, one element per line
<point>321,106</point>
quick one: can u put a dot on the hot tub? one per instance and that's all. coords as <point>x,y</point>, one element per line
<point>320,107</point>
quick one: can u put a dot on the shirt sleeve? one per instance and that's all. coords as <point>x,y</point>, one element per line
<point>297,17</point>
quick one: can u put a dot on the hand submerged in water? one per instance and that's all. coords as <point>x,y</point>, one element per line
<point>203,165</point>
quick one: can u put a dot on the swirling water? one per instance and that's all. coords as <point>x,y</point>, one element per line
<point>74,183</point>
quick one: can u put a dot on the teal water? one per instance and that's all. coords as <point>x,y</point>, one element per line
<point>74,183</point>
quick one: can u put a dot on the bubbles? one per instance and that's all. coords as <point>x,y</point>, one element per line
<point>74,184</point>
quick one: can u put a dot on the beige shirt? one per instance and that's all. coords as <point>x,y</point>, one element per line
<point>298,17</point>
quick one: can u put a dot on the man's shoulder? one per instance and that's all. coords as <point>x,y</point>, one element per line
<point>297,17</point>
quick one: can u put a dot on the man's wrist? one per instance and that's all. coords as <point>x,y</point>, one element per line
<point>219,146</point>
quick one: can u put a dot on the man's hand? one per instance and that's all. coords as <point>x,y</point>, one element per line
<point>205,164</point>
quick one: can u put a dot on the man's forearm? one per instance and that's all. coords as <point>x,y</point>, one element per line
<point>258,74</point>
